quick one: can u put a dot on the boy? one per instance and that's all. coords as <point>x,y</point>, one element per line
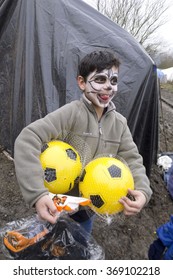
<point>95,120</point>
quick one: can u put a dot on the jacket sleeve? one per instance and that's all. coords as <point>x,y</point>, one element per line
<point>27,151</point>
<point>165,233</point>
<point>129,151</point>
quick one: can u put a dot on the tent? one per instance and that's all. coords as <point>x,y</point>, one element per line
<point>41,42</point>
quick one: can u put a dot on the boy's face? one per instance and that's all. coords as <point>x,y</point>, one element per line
<point>101,87</point>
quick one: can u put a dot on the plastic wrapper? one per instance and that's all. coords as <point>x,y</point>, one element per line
<point>68,203</point>
<point>32,239</point>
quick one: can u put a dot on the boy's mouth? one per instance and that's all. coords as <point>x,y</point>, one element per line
<point>104,97</point>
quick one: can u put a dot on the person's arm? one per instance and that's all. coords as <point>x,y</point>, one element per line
<point>142,193</point>
<point>27,151</point>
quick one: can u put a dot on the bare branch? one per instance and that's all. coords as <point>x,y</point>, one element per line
<point>141,18</point>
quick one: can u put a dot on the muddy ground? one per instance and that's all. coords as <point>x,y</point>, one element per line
<point>126,237</point>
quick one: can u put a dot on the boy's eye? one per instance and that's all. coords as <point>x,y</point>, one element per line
<point>100,79</point>
<point>103,79</point>
<point>114,81</point>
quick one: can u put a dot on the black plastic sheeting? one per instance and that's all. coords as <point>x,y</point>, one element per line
<point>41,43</point>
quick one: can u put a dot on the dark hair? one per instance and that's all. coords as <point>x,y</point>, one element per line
<point>97,60</point>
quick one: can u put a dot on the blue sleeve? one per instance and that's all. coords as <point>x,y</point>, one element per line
<point>165,233</point>
<point>169,253</point>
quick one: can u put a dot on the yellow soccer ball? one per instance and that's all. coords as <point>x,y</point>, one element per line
<point>104,181</point>
<point>61,165</point>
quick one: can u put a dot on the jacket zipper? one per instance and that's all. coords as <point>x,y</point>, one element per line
<point>100,129</point>
<point>100,133</point>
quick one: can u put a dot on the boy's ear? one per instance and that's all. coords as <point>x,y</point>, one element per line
<point>81,83</point>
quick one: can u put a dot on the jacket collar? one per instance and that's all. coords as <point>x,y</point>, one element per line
<point>90,106</point>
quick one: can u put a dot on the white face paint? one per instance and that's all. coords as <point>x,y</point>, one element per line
<point>101,87</point>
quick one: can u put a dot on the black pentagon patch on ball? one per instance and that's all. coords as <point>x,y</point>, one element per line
<point>96,200</point>
<point>50,174</point>
<point>71,154</point>
<point>114,171</point>
<point>44,147</point>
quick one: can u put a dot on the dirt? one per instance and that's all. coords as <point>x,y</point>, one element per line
<point>125,237</point>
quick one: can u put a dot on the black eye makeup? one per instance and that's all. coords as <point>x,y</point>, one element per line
<point>103,78</point>
<point>100,79</point>
<point>114,80</point>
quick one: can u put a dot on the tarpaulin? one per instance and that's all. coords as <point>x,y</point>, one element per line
<point>41,43</point>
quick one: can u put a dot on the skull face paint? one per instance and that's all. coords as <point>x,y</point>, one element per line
<point>101,87</point>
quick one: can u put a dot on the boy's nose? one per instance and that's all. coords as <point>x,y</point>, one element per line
<point>108,86</point>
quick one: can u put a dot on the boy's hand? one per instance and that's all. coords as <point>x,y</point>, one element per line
<point>46,209</point>
<point>132,207</point>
